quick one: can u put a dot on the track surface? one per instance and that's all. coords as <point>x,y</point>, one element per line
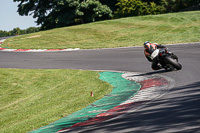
<point>177,111</point>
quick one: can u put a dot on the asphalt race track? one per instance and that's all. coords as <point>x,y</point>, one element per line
<point>176,111</point>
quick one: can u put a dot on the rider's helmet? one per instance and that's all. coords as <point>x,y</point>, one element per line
<point>146,43</point>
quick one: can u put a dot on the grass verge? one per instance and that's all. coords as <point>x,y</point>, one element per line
<point>170,28</point>
<point>30,99</point>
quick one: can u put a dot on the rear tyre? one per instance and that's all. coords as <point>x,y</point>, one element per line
<point>174,63</point>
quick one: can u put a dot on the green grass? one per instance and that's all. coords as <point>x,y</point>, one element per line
<point>170,28</point>
<point>30,99</point>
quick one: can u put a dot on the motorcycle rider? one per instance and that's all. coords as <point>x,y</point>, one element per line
<point>149,49</point>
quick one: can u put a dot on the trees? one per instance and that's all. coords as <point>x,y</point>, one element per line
<point>110,3</point>
<point>92,10</point>
<point>31,30</point>
<point>136,8</point>
<point>18,31</point>
<point>3,33</point>
<point>144,7</point>
<point>177,5</point>
<point>58,13</point>
<point>49,13</point>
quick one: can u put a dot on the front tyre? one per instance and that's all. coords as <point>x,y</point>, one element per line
<point>173,62</point>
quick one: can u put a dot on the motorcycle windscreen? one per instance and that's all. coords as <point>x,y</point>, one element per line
<point>154,54</point>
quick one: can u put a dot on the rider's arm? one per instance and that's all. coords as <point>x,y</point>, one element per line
<point>149,59</point>
<point>160,46</point>
<point>147,55</point>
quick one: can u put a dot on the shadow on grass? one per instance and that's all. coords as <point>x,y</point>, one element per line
<point>178,112</point>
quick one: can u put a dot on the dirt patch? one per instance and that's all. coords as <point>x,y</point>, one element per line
<point>34,36</point>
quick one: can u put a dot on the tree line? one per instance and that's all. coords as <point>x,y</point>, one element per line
<point>18,31</point>
<point>127,8</point>
<point>60,13</point>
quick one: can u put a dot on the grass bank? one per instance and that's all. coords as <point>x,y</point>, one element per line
<point>30,99</point>
<point>170,28</point>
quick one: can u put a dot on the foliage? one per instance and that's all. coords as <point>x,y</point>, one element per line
<point>110,3</point>
<point>18,31</point>
<point>177,5</point>
<point>93,10</point>
<point>136,8</point>
<point>59,13</point>
<point>144,7</point>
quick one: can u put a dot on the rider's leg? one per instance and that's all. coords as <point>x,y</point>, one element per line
<point>155,65</point>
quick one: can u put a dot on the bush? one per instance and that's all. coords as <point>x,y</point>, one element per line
<point>136,8</point>
<point>177,5</point>
<point>144,7</point>
<point>93,10</point>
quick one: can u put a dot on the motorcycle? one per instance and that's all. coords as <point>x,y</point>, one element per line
<point>167,59</point>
